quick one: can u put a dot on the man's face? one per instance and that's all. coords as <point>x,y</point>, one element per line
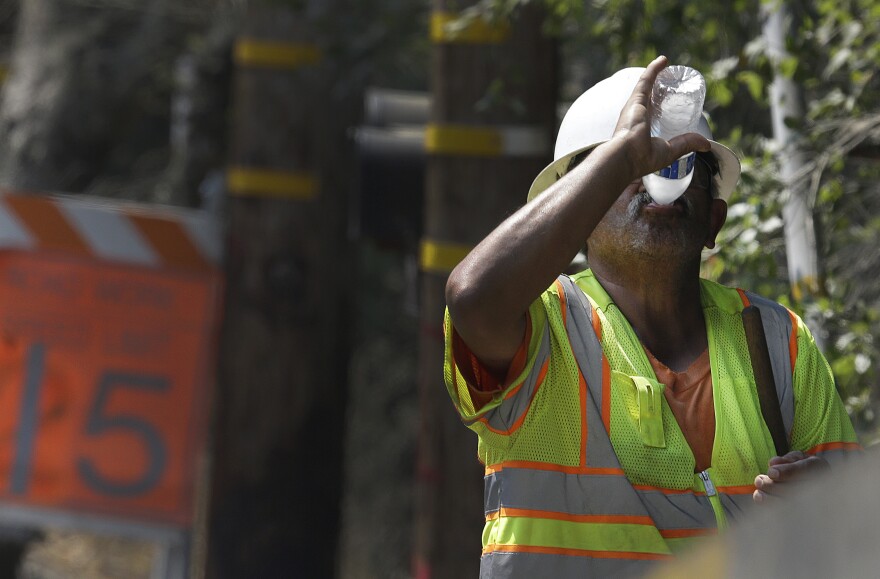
<point>637,228</point>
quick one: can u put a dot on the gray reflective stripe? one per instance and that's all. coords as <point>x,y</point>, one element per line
<point>777,327</point>
<point>491,493</point>
<point>576,494</point>
<point>678,511</point>
<point>692,511</point>
<point>736,506</point>
<point>584,341</point>
<point>588,353</point>
<point>534,565</point>
<point>839,455</point>
<point>505,415</point>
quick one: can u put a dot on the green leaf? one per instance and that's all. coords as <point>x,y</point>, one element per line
<point>788,66</point>
<point>753,82</point>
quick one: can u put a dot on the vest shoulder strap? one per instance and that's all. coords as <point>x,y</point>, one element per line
<point>782,343</point>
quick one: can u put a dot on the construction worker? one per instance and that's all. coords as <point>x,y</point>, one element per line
<point>617,412</point>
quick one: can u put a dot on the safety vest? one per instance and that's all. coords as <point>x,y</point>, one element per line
<point>587,471</point>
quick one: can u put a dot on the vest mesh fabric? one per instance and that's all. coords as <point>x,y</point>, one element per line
<point>536,438</point>
<point>812,401</point>
<point>551,430</point>
<point>737,409</point>
<point>670,467</point>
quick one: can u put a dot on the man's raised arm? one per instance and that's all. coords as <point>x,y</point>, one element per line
<point>490,291</point>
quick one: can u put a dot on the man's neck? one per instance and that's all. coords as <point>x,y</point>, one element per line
<point>664,309</point>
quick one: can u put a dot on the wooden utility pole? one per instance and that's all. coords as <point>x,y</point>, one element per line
<point>280,407</point>
<point>493,116</point>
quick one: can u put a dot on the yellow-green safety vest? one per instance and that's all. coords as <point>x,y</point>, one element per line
<point>587,471</point>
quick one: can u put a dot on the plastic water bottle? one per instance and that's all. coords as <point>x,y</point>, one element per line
<point>677,100</point>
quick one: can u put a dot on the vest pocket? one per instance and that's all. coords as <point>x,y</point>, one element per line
<point>650,394</point>
<point>648,397</point>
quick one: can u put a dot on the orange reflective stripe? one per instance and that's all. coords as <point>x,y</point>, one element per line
<point>513,391</point>
<point>792,340</point>
<point>606,372</point>
<point>573,552</point>
<point>743,297</point>
<point>522,417</point>
<point>597,323</point>
<point>834,446</point>
<point>687,533</point>
<point>736,490</point>
<point>520,360</point>
<point>485,422</point>
<point>455,371</point>
<point>557,516</point>
<point>728,490</point>
<point>606,393</point>
<point>561,291</point>
<point>668,491</point>
<point>554,467</point>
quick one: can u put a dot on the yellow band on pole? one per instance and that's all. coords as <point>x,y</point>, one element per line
<point>244,182</point>
<point>439,257</point>
<point>463,140</point>
<point>449,28</point>
<point>273,54</point>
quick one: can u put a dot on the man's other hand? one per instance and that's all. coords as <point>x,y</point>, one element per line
<point>783,470</point>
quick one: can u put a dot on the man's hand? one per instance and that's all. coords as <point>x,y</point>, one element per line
<point>782,470</point>
<point>647,154</point>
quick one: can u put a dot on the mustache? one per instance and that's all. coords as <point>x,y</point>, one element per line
<point>643,198</point>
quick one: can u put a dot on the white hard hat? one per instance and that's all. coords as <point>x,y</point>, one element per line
<point>591,119</point>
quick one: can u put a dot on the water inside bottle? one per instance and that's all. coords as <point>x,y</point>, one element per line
<point>677,99</point>
<point>678,113</point>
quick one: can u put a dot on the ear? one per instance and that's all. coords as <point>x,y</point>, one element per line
<point>717,217</point>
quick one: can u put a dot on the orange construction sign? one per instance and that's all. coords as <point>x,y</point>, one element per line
<point>108,326</point>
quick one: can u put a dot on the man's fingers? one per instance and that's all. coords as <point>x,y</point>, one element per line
<point>763,489</point>
<point>786,471</point>
<point>681,145</point>
<point>764,483</point>
<point>645,84</point>
<point>783,469</point>
<point>762,497</point>
<point>646,80</point>
<point>793,456</point>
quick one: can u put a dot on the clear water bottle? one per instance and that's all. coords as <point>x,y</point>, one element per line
<point>677,100</point>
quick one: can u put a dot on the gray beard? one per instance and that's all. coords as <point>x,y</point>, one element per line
<point>644,198</point>
<point>653,246</point>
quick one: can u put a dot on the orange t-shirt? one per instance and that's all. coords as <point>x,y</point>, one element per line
<point>689,395</point>
<point>483,383</point>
